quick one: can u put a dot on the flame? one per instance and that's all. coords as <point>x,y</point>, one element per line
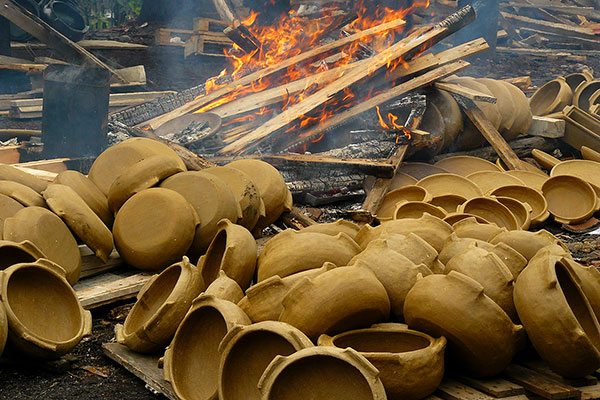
<point>392,125</point>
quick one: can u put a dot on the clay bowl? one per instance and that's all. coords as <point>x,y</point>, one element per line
<point>522,211</point>
<point>553,96</point>
<point>524,116</point>
<point>506,106</point>
<point>530,179</point>
<point>416,209</point>
<point>527,243</point>
<point>527,167</point>
<point>453,218</point>
<point>491,210</point>
<point>450,184</point>
<point>466,165</point>
<point>3,328</point>
<point>399,196</point>
<point>420,170</point>
<point>448,202</point>
<point>44,315</point>
<point>524,194</point>
<point>10,173</point>
<point>588,278</point>
<point>571,200</point>
<point>590,154</point>
<point>472,228</point>
<point>451,114</point>
<point>488,181</point>
<point>587,170</point>
<point>544,159</point>
<point>334,228</point>
<point>8,208</point>
<point>321,372</point>
<point>400,180</point>
<point>399,354</point>
<point>576,79</point>
<point>583,94</point>
<point>161,305</point>
<point>12,253</point>
<point>246,351</point>
<point>21,193</point>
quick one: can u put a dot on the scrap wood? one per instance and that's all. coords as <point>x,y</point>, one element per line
<point>552,27</point>
<point>465,92</point>
<point>522,82</point>
<point>588,12</point>
<point>540,384</point>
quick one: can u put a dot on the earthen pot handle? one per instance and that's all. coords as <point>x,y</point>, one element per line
<point>325,340</point>
<point>145,288</point>
<point>119,333</point>
<point>44,262</point>
<point>269,370</point>
<point>229,336</point>
<point>43,345</point>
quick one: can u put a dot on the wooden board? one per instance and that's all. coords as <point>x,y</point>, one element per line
<point>465,92</point>
<point>544,369</point>
<point>496,387</point>
<point>381,169</point>
<point>540,384</point>
<point>110,287</point>
<point>590,392</point>
<point>92,265</point>
<point>453,390</point>
<point>552,27</point>
<point>56,165</point>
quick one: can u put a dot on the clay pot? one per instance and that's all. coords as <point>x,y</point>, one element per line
<point>45,317</point>
<point>571,200</point>
<point>246,351</point>
<point>161,305</point>
<point>590,154</point>
<point>3,328</point>
<point>483,340</point>
<point>82,221</point>
<point>490,110</point>
<point>21,193</point>
<point>410,363</point>
<point>527,243</point>
<point>420,170</point>
<point>10,173</point>
<point>400,180</point>
<point>448,202</point>
<point>525,194</point>
<point>225,288</point>
<point>524,116</point>
<point>397,273</point>
<point>49,234</point>
<point>263,300</point>
<point>245,192</point>
<point>116,159</point>
<point>576,79</point>
<point>488,181</point>
<point>455,217</point>
<point>433,123</point>
<point>525,165</point>
<point>12,253</point>
<point>588,278</point>
<point>547,292</point>
<point>272,189</point>
<point>386,209</point>
<point>154,229</point>
<point>416,209</point>
<point>521,211</point>
<point>191,362</point>
<point>466,165</point>
<point>140,176</point>
<point>472,228</point>
<point>412,247</point>
<point>321,373</point>
<point>505,103</point>
<point>8,208</point>
<point>587,170</point>
<point>531,179</point>
<point>491,210</point>
<point>334,228</point>
<point>338,300</point>
<point>583,94</point>
<point>490,272</point>
<point>290,252</point>
<point>232,250</point>
<point>450,112</point>
<point>544,159</point>
<point>89,192</point>
<point>552,97</point>
<point>450,184</point>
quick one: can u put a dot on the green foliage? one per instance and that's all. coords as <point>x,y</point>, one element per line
<point>119,10</point>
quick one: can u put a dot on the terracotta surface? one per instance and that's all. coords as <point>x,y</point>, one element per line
<point>154,229</point>
<point>576,79</point>
<point>191,362</point>
<point>525,194</point>
<point>412,247</point>
<point>547,292</point>
<point>588,278</point>
<point>453,218</point>
<point>44,315</point>
<point>587,170</point>
<point>416,209</point>
<point>488,181</point>
<point>10,173</point>
<point>89,192</point>
<point>527,166</point>
<point>433,123</point>
<point>386,209</point>
<point>246,351</point>
<point>521,211</point>
<point>553,96</point>
<point>483,341</point>
<point>50,234</point>
<point>21,193</point>
<point>8,208</point>
<point>571,200</point>
<point>420,170</point>
<point>546,160</point>
<point>491,210</point>
<point>410,363</point>
<point>290,252</point>
<point>161,305</point>
<point>321,373</point>
<point>583,94</point>
<point>225,288</point>
<point>401,179</point>
<point>450,112</point>
<point>82,221</point>
<point>524,116</point>
<point>590,154</point>
<point>532,179</point>
<point>506,105</point>
<point>450,184</point>
<point>338,300</point>
<point>491,110</point>
<point>449,202</point>
<point>471,228</point>
<point>3,328</point>
<point>527,243</point>
<point>12,253</point>
<point>334,228</point>
<point>232,250</point>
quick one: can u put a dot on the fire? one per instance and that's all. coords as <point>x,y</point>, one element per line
<point>392,125</point>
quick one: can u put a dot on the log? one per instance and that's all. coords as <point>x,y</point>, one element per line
<point>360,165</point>
<point>6,134</point>
<point>552,27</point>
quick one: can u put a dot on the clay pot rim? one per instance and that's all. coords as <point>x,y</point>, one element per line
<point>574,181</point>
<point>579,91</point>
<point>477,218</point>
<point>557,92</point>
<point>518,203</point>
<point>513,224</point>
<point>535,219</point>
<point>25,246</point>
<point>425,205</point>
<point>426,197</point>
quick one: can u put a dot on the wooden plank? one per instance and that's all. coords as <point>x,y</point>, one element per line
<point>143,366</point>
<point>465,92</point>
<point>10,154</point>
<point>19,133</point>
<point>44,175</point>
<point>110,45</point>
<point>590,392</point>
<point>540,384</point>
<point>453,390</point>
<point>544,369</point>
<point>109,288</point>
<point>496,387</point>
<point>552,27</point>
<point>92,265</point>
<point>588,12</point>
<point>574,55</point>
<point>30,68</point>
<point>56,165</point>
<point>547,127</point>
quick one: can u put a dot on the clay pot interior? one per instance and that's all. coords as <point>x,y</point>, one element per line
<point>570,199</point>
<point>420,170</point>
<point>531,179</point>
<point>576,79</point>
<point>453,218</point>
<point>466,165</point>
<point>524,194</point>
<point>416,209</point>
<point>400,180</point>
<point>587,170</point>
<point>584,93</point>
<point>450,183</point>
<point>491,210</point>
<point>399,196</point>
<point>12,253</point>
<point>210,265</point>
<point>449,202</point>
<point>366,341</point>
<point>553,96</point>
<point>521,211</point>
<point>488,181</point>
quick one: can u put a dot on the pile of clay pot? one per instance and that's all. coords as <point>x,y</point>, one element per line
<point>443,118</point>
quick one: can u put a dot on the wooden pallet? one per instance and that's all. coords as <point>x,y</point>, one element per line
<point>209,25</point>
<point>194,42</point>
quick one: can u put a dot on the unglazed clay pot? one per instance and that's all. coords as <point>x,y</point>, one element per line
<point>8,208</point>
<point>290,252</point>
<point>401,180</point>
<point>455,217</point>
<point>524,164</point>
<point>544,159</point>
<point>524,116</point>
<point>590,154</point>
<point>449,202</point>
<point>386,209</point>
<point>466,165</point>
<point>154,229</point>
<point>191,362</point>
<point>491,110</point>
<point>12,253</point>
<point>397,273</point>
<point>245,192</point>
<point>263,300</point>
<point>45,317</point>
<point>416,209</point>
<point>338,300</point>
<point>116,159</point>
<point>420,170</point>
<point>527,243</point>
<point>49,234</point>
<point>410,363</point>
<point>583,94</point>
<point>232,250</point>
<point>89,192</point>
<point>547,292</point>
<point>161,305</point>
<point>246,351</point>
<point>450,112</point>
<point>3,328</point>
<point>433,123</point>
<point>491,210</point>
<point>490,272</point>
<point>21,193</point>
<point>142,175</point>
<point>334,228</point>
<point>212,200</point>
<point>524,194</point>
<point>532,179</point>
<point>412,247</point>
<point>483,340</point>
<point>82,221</point>
<point>450,183</point>
<point>471,228</point>
<point>506,105</point>
<point>271,187</point>
<point>571,200</point>
<point>10,173</point>
<point>553,96</point>
<point>321,372</point>
<point>588,278</point>
<point>576,79</point>
<point>488,181</point>
<point>521,211</point>
<point>587,170</point>
<point>225,288</point>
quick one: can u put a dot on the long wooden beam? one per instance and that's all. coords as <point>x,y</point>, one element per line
<point>370,167</point>
<point>553,27</point>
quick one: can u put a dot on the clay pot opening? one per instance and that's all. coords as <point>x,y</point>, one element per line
<point>578,304</point>
<point>44,304</point>
<point>381,342</point>
<point>214,258</point>
<point>11,255</point>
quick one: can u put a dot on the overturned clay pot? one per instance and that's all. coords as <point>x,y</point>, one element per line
<point>416,209</point>
<point>334,228</point>
<point>225,288</point>
<point>21,193</point>
<point>321,372</point>
<point>546,160</point>
<point>412,247</point>
<point>488,181</point>
<point>246,351</point>
<point>451,114</point>
<point>525,194</point>
<point>450,183</point>
<point>8,208</point>
<point>571,200</point>
<point>590,154</point>
<point>392,199</point>
<point>553,96</point>
<point>521,211</point>
<point>454,217</point>
<point>524,115</point>
<point>466,165</point>
<point>3,328</point>
<point>410,363</point>
<point>506,105</point>
<point>45,317</point>
<point>161,305</point>
<point>527,243</point>
<point>472,228</point>
<point>448,202</point>
<point>10,173</point>
<point>12,253</point>
<point>491,210</point>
